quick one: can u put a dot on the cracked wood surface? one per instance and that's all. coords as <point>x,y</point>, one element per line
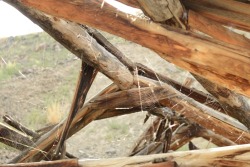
<point>194,53</point>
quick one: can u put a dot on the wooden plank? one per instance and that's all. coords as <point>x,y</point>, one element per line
<point>196,54</point>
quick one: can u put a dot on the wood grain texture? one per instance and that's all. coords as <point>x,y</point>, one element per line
<point>201,56</point>
<point>77,40</point>
<point>216,30</point>
<point>231,156</point>
<point>161,10</point>
<point>235,105</point>
<point>227,12</point>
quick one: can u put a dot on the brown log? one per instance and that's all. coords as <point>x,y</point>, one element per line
<point>195,54</point>
<point>227,12</point>
<point>211,28</point>
<point>216,30</point>
<point>215,138</point>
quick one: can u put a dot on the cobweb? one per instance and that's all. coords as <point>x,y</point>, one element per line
<point>37,83</point>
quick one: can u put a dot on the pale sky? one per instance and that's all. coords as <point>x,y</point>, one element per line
<point>13,23</point>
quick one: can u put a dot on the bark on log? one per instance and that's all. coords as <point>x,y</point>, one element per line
<point>193,53</point>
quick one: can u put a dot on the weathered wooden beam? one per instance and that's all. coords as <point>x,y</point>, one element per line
<point>216,30</point>
<point>47,140</point>
<point>196,54</point>
<point>231,156</point>
<point>163,10</point>
<point>228,12</point>
<point>76,39</point>
<point>13,138</point>
<point>235,105</point>
<point>85,80</point>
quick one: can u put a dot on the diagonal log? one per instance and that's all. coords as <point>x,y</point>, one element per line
<point>235,105</point>
<point>46,142</point>
<point>217,31</point>
<point>86,78</point>
<point>76,39</point>
<point>194,53</point>
<point>13,138</point>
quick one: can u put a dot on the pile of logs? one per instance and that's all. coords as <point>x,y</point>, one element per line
<point>192,34</point>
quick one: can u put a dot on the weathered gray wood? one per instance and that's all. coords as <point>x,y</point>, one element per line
<point>162,10</point>
<point>13,138</point>
<point>231,156</point>
<point>77,40</point>
<point>235,105</point>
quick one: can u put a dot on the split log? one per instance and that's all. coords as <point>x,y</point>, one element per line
<point>196,54</point>
<point>163,11</point>
<point>46,142</point>
<point>216,30</point>
<point>13,138</point>
<point>219,32</point>
<point>9,120</point>
<point>235,105</point>
<point>227,12</point>
<point>234,156</point>
<point>85,80</point>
